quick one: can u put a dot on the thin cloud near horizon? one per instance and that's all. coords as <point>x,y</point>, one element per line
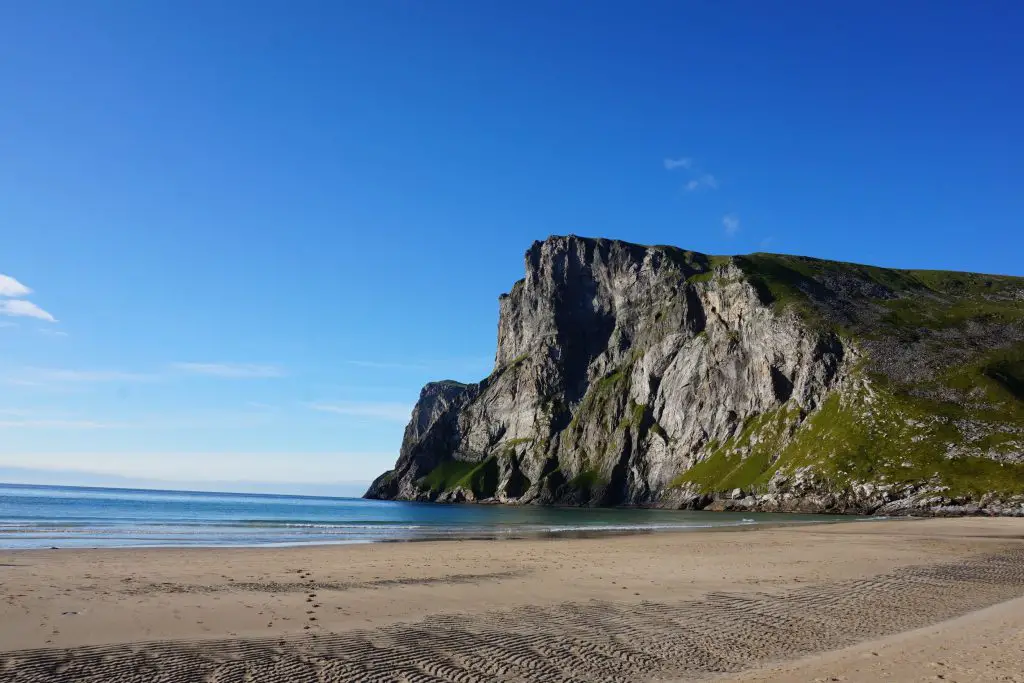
<point>472,362</point>
<point>41,375</point>
<point>203,466</point>
<point>38,376</point>
<point>231,370</point>
<point>56,424</point>
<point>394,412</point>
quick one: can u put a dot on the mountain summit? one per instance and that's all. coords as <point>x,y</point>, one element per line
<point>651,375</point>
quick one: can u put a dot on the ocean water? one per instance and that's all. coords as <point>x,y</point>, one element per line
<point>65,516</point>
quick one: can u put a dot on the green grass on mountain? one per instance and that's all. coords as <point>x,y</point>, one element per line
<point>479,477</point>
<point>879,435</point>
<point>746,459</point>
<point>587,480</point>
<point>601,394</point>
<point>875,434</point>
<point>697,264</point>
<point>914,298</point>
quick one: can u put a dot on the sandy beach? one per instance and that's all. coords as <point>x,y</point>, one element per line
<point>919,600</point>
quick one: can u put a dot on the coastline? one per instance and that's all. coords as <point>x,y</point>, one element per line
<point>61,605</point>
<point>552,535</point>
<point>48,517</point>
<point>493,535</point>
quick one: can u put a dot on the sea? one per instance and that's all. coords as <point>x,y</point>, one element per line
<point>84,517</point>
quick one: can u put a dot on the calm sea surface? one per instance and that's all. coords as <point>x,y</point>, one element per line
<point>64,516</point>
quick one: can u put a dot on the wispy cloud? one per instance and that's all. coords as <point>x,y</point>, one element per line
<point>11,287</point>
<point>395,412</point>
<point>203,419</point>
<point>705,181</point>
<point>21,382</point>
<point>682,162</point>
<point>469,364</point>
<point>7,323</point>
<point>231,370</point>
<point>731,224</point>
<point>47,332</point>
<point>699,178</point>
<point>186,469</point>
<point>767,242</point>
<point>57,377</point>
<point>20,308</point>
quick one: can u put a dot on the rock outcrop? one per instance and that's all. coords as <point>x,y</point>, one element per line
<point>634,375</point>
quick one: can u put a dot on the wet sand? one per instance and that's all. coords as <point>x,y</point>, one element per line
<point>788,604</point>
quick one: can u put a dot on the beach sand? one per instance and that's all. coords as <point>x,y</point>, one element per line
<point>920,600</point>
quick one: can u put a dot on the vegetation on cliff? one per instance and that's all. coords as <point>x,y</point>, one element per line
<point>655,375</point>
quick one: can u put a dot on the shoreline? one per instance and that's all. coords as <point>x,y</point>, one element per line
<point>595,532</point>
<point>709,602</point>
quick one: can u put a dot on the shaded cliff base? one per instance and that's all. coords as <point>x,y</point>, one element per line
<point>468,484</point>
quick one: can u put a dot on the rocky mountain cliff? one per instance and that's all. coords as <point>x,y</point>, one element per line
<point>651,375</point>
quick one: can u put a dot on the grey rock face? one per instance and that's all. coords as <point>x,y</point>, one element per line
<point>616,364</point>
<point>619,368</point>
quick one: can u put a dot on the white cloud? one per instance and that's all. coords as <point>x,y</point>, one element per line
<point>17,307</point>
<point>7,323</point>
<point>731,224</point>
<point>24,309</point>
<point>682,162</point>
<point>395,412</point>
<point>705,181</point>
<point>231,370</point>
<point>47,332</point>
<point>11,287</point>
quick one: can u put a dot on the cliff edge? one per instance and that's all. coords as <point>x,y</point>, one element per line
<point>652,375</point>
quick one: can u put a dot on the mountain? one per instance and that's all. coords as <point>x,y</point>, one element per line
<point>651,375</point>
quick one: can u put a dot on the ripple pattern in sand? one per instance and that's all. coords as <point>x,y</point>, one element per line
<point>567,643</point>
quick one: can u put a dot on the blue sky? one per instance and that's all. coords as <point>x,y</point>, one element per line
<point>252,231</point>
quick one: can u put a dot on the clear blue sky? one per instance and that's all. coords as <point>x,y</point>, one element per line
<point>261,227</point>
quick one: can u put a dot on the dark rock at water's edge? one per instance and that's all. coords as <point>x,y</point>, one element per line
<point>655,376</point>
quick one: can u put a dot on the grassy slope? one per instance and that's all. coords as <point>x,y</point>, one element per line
<point>945,364</point>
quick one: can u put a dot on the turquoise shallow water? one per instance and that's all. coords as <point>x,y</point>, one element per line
<point>64,516</point>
